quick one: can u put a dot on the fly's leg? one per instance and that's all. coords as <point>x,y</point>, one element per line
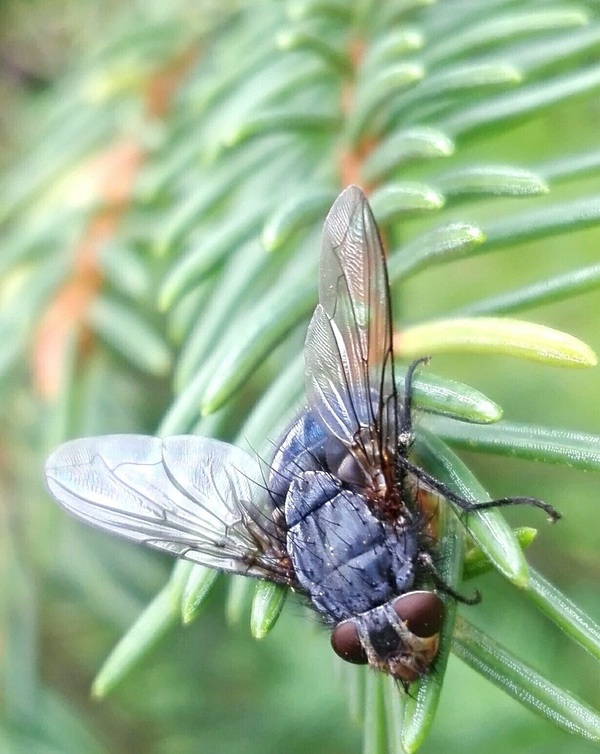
<point>406,415</point>
<point>426,562</point>
<point>469,506</point>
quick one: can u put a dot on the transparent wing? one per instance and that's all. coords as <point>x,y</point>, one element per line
<point>348,352</point>
<point>191,496</point>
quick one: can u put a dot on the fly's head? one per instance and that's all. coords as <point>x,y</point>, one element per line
<point>400,638</point>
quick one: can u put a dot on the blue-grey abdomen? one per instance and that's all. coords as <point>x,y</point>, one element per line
<point>302,449</point>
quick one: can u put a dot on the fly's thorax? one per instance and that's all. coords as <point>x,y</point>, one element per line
<point>400,637</point>
<point>347,559</point>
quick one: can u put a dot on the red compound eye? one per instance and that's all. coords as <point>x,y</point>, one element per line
<point>423,612</point>
<point>346,643</point>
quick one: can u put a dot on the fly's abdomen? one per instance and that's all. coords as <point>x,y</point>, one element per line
<point>301,449</point>
<point>346,559</point>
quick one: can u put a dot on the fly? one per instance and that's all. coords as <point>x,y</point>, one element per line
<point>341,523</point>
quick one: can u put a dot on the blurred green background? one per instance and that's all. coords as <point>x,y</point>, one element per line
<point>123,152</point>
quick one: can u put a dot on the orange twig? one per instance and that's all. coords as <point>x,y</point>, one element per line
<point>110,177</point>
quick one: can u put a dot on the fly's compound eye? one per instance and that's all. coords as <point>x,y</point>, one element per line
<point>423,612</point>
<point>346,643</point>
